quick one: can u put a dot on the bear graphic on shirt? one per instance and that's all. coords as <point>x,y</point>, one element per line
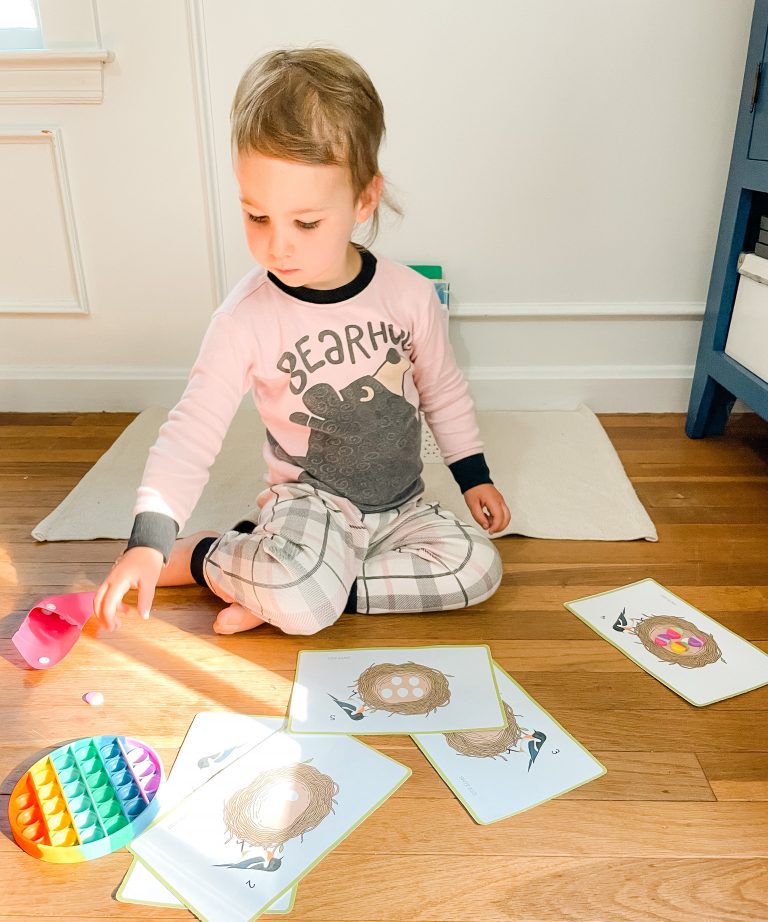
<point>365,439</point>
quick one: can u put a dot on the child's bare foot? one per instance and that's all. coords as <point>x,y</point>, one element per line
<point>235,618</point>
<point>177,571</point>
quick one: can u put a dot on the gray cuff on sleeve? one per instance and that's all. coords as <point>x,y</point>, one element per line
<point>153,529</point>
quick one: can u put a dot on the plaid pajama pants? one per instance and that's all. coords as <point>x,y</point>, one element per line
<point>296,567</point>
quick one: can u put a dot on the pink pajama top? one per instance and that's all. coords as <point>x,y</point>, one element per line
<point>339,378</point>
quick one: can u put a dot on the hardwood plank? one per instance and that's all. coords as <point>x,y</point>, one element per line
<point>545,604</point>
<point>584,829</point>
<point>712,729</point>
<point>89,420</point>
<point>684,474</point>
<point>534,890</point>
<point>64,453</point>
<point>702,494</point>
<point>586,574</point>
<point>720,732</point>
<point>431,889</point>
<point>54,444</point>
<point>742,776</point>
<point>45,467</point>
<point>110,429</point>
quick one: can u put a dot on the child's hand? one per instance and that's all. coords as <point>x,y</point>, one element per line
<point>487,507</point>
<point>139,568</point>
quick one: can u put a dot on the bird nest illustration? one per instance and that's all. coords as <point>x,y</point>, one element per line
<point>650,628</point>
<point>484,744</point>
<point>241,810</point>
<point>433,685</point>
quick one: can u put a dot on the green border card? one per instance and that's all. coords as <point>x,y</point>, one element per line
<point>429,689</point>
<point>686,650</point>
<point>499,773</point>
<point>214,740</point>
<point>249,834</point>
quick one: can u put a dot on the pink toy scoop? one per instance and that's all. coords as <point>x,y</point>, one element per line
<point>52,627</point>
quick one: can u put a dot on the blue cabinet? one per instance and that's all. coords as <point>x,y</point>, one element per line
<point>718,380</point>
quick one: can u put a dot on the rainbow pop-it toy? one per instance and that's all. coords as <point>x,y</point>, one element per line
<point>86,798</point>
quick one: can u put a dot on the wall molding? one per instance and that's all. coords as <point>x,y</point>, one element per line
<point>53,138</point>
<point>565,310</point>
<point>215,235</point>
<point>576,372</point>
<point>51,77</point>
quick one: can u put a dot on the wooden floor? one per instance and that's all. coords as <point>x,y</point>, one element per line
<point>676,830</point>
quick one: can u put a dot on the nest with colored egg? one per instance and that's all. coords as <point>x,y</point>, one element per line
<point>709,652</point>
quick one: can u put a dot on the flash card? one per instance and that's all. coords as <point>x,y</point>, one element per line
<point>213,741</point>
<point>689,652</point>
<point>497,773</point>
<point>395,690</point>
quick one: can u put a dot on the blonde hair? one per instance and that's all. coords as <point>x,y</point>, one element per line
<point>312,105</point>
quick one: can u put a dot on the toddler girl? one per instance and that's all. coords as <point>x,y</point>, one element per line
<point>341,349</point>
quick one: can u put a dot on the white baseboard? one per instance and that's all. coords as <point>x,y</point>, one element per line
<point>91,390</point>
<point>570,310</point>
<point>603,388</point>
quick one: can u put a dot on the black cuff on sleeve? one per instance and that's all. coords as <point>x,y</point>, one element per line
<point>198,559</point>
<point>470,472</point>
<point>153,529</point>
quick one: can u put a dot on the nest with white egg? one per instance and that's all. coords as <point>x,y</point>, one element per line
<point>434,683</point>
<point>241,810</point>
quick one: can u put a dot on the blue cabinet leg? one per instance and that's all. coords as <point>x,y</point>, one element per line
<point>710,407</point>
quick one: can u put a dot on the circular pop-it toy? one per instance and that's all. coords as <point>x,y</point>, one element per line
<point>86,799</point>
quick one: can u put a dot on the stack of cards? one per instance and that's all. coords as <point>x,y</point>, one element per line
<point>258,814</point>
<point>212,742</point>
<point>252,805</point>
<point>495,748</point>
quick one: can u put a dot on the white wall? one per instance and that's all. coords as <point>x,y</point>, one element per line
<point>565,161</point>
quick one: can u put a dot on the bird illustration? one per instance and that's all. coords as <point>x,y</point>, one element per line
<point>256,863</point>
<point>621,622</point>
<point>354,713</point>
<point>205,761</point>
<point>535,742</point>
